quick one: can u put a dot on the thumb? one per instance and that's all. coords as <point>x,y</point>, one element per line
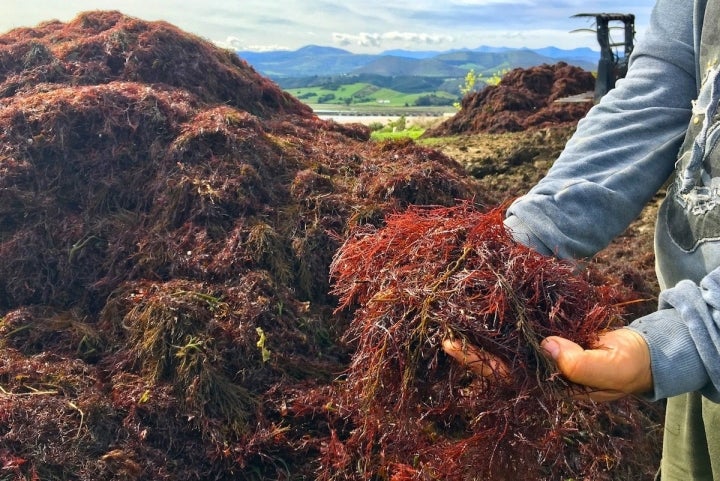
<point>567,356</point>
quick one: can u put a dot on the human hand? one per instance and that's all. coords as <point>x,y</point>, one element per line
<point>480,362</point>
<point>617,366</point>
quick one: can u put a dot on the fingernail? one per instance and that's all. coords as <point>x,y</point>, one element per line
<point>551,347</point>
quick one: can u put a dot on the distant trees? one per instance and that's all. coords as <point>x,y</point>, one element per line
<point>322,99</point>
<point>474,81</point>
<point>431,100</point>
<point>407,83</point>
<point>468,86</point>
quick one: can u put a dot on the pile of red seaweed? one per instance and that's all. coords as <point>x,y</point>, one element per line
<point>525,99</point>
<point>168,218</point>
<point>432,274</point>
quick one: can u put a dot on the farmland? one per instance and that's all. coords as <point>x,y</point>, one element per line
<point>371,97</point>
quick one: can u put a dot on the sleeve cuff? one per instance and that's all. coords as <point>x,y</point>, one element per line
<point>675,362</point>
<point>523,235</point>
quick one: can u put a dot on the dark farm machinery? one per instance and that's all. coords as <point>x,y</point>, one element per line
<point>613,61</point>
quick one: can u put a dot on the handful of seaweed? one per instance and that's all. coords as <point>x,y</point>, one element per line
<point>439,273</point>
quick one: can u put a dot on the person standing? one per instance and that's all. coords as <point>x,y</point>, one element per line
<point>660,126</point>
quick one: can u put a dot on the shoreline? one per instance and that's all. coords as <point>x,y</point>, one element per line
<point>368,114</point>
<point>367,118</point>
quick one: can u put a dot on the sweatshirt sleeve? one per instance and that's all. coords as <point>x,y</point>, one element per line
<point>684,339</point>
<point>622,151</point>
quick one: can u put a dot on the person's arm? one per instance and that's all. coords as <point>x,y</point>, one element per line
<point>622,151</point>
<point>620,156</point>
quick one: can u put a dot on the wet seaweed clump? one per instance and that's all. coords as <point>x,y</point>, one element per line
<point>436,273</point>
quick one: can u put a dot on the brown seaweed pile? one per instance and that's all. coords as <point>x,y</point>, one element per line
<point>167,221</point>
<point>525,99</point>
<point>168,218</point>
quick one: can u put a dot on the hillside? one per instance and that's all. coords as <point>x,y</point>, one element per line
<point>436,77</point>
<point>305,62</point>
<point>402,83</point>
<point>391,66</point>
<point>361,94</point>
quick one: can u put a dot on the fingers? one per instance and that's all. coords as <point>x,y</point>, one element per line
<point>480,362</point>
<point>619,365</point>
<point>584,368</point>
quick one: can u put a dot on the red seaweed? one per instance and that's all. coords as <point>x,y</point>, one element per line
<point>431,274</point>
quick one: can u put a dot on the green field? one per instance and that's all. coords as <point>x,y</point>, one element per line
<point>365,94</point>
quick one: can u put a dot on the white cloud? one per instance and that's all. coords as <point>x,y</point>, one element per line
<point>361,39</point>
<point>365,39</point>
<point>482,3</point>
<point>423,38</point>
<point>232,43</point>
<point>235,43</point>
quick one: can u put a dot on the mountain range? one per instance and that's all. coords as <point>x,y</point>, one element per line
<point>314,60</point>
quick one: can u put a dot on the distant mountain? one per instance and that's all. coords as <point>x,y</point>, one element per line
<point>576,56</point>
<point>584,53</point>
<point>392,66</point>
<point>487,49</point>
<point>490,62</point>
<point>418,54</point>
<point>314,60</point>
<point>306,61</point>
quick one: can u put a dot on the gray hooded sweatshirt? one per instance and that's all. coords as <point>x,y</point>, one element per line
<point>659,126</point>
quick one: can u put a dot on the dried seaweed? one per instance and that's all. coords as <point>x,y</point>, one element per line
<point>524,99</point>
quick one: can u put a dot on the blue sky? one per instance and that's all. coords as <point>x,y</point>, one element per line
<point>361,26</point>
